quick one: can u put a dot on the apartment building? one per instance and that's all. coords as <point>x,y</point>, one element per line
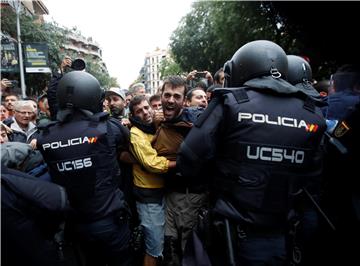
<point>82,47</point>
<point>150,72</point>
<point>76,43</point>
<point>29,7</point>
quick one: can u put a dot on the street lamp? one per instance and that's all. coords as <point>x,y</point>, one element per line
<point>17,4</point>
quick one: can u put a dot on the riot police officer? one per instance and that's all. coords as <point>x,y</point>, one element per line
<point>31,211</point>
<point>261,135</point>
<point>305,220</point>
<point>300,75</point>
<point>81,151</point>
<point>344,92</point>
<point>341,199</point>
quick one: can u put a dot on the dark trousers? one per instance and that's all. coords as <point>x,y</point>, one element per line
<point>104,242</point>
<point>23,238</point>
<point>248,246</point>
<point>262,250</point>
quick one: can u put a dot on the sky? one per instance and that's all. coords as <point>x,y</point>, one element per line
<point>125,29</point>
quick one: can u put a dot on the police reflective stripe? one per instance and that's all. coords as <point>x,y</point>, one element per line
<point>276,120</point>
<point>275,154</point>
<point>268,148</point>
<point>70,142</point>
<point>81,156</point>
<point>74,164</point>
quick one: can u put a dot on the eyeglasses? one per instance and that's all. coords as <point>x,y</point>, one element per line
<point>24,113</point>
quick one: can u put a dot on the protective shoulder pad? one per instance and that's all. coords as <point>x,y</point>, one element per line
<point>239,93</point>
<point>219,92</point>
<point>96,118</point>
<point>217,98</point>
<point>309,104</point>
<point>46,126</point>
<point>100,116</point>
<point>115,121</point>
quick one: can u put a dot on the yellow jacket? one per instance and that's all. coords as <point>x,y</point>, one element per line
<point>146,173</point>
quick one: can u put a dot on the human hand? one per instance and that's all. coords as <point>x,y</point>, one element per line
<point>191,75</point>
<point>158,117</point>
<point>208,76</point>
<point>172,164</point>
<point>66,62</point>
<point>127,157</point>
<point>125,122</point>
<point>33,144</point>
<point>5,83</point>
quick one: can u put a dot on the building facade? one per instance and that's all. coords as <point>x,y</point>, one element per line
<point>80,47</point>
<point>29,7</point>
<point>150,72</point>
<point>75,45</point>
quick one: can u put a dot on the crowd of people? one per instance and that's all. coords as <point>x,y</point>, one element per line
<point>251,166</point>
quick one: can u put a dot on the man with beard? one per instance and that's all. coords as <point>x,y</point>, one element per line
<point>9,102</point>
<point>196,98</point>
<point>148,184</point>
<point>116,99</point>
<point>183,197</point>
<point>155,102</point>
<point>138,89</point>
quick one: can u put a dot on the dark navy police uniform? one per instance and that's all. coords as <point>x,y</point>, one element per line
<point>263,142</point>
<point>31,211</point>
<point>82,157</point>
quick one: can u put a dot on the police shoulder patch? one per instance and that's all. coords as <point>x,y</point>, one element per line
<point>341,129</point>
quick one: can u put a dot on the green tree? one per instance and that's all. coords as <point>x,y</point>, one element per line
<point>33,31</point>
<point>55,37</point>
<point>210,34</point>
<point>169,67</point>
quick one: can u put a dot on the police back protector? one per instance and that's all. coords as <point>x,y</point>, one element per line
<point>269,151</point>
<point>81,156</point>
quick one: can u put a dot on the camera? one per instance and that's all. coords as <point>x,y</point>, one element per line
<point>200,74</point>
<point>14,83</point>
<point>78,64</point>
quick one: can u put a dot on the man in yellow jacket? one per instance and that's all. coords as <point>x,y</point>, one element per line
<point>148,183</point>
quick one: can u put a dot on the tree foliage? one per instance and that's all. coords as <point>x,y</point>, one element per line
<point>169,67</point>
<point>211,33</point>
<point>319,31</point>
<point>55,37</point>
<point>33,31</point>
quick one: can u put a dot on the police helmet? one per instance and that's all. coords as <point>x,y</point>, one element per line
<point>256,59</point>
<point>299,70</point>
<point>78,89</point>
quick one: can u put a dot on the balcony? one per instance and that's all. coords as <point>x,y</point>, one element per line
<point>77,38</point>
<point>82,50</point>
